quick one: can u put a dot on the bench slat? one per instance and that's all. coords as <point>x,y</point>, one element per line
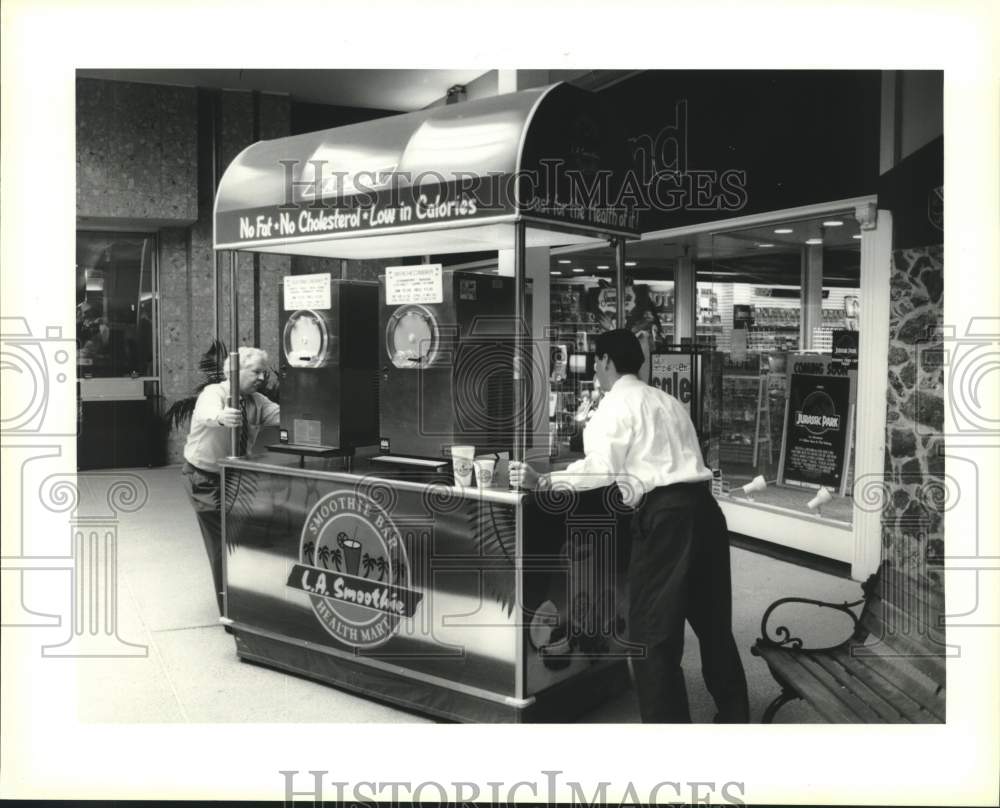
<point>910,605</point>
<point>841,687</point>
<point>814,687</point>
<point>896,674</point>
<point>904,635</point>
<point>905,591</point>
<point>847,676</point>
<point>884,679</point>
<point>911,683</point>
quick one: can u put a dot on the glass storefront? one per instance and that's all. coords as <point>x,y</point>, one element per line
<point>115,305</point>
<point>583,303</point>
<point>117,351</point>
<point>772,299</point>
<point>775,321</point>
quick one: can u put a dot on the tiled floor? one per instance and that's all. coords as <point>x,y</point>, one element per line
<point>191,673</point>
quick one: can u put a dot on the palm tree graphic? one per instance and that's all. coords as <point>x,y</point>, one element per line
<point>382,566</point>
<point>367,562</point>
<point>324,554</point>
<point>336,557</point>
<point>307,553</point>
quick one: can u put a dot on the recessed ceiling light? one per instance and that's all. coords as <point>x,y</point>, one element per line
<point>555,273</point>
<point>603,266</point>
<point>631,263</point>
<point>763,244</point>
<point>579,269</point>
<point>832,223</point>
<point>856,235</point>
<point>783,230</point>
<point>814,241</point>
<point>565,261</point>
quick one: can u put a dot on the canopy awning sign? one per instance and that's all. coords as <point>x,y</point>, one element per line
<point>553,157</point>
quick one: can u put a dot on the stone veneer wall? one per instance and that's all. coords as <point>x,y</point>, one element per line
<point>136,151</point>
<point>912,520</point>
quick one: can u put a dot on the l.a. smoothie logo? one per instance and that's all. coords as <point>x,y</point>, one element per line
<point>353,565</point>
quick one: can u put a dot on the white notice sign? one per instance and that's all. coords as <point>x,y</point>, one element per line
<point>413,285</point>
<point>672,374</point>
<point>307,292</point>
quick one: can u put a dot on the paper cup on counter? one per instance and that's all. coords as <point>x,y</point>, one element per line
<point>484,471</point>
<point>461,462</point>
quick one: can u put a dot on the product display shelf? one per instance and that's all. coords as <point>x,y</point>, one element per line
<point>746,419</point>
<point>771,339</point>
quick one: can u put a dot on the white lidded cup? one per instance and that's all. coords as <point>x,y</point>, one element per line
<point>461,461</point>
<point>484,471</point>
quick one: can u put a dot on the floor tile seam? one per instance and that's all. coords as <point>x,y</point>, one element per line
<point>157,654</point>
<point>175,629</point>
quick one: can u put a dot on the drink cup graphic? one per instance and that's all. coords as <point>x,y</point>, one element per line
<point>352,552</point>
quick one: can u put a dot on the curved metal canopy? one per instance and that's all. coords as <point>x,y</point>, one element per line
<point>553,157</point>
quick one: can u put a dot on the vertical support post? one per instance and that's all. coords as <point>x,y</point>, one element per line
<point>619,245</point>
<point>214,148</point>
<point>217,296</point>
<point>812,295</point>
<point>234,352</point>
<point>685,300</point>
<point>520,249</point>
<point>521,413</point>
<point>873,369</point>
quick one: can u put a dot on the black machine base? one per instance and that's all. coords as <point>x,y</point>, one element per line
<point>312,451</point>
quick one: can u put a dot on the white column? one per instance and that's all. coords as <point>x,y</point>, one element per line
<point>510,81</point>
<point>812,294</point>
<point>685,300</point>
<point>873,371</point>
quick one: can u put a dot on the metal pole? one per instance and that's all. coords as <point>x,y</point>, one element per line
<point>520,428</point>
<point>619,245</point>
<point>234,353</point>
<point>216,273</point>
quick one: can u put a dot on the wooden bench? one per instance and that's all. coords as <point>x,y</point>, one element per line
<point>890,670</point>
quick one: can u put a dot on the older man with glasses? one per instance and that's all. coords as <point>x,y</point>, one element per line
<point>208,442</point>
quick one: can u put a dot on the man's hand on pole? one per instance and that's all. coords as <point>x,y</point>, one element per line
<point>522,475</point>
<point>229,417</point>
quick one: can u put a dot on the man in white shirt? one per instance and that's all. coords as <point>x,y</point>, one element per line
<point>208,442</point>
<point>643,440</point>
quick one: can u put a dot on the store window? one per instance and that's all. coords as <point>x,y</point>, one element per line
<point>583,303</point>
<point>116,315</point>
<point>780,303</point>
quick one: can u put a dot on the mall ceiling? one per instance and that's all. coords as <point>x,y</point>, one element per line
<point>757,255</point>
<point>751,255</point>
<point>404,90</point>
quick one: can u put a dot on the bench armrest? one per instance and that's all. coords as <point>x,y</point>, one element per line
<point>782,637</point>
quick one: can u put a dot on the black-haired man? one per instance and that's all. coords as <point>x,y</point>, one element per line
<point>643,440</point>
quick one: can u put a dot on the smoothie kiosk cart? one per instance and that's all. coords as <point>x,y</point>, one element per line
<point>353,557</point>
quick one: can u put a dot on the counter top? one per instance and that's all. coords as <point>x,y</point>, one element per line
<point>367,473</point>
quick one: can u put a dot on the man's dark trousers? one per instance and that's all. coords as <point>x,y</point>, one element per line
<point>203,491</point>
<point>680,571</point>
